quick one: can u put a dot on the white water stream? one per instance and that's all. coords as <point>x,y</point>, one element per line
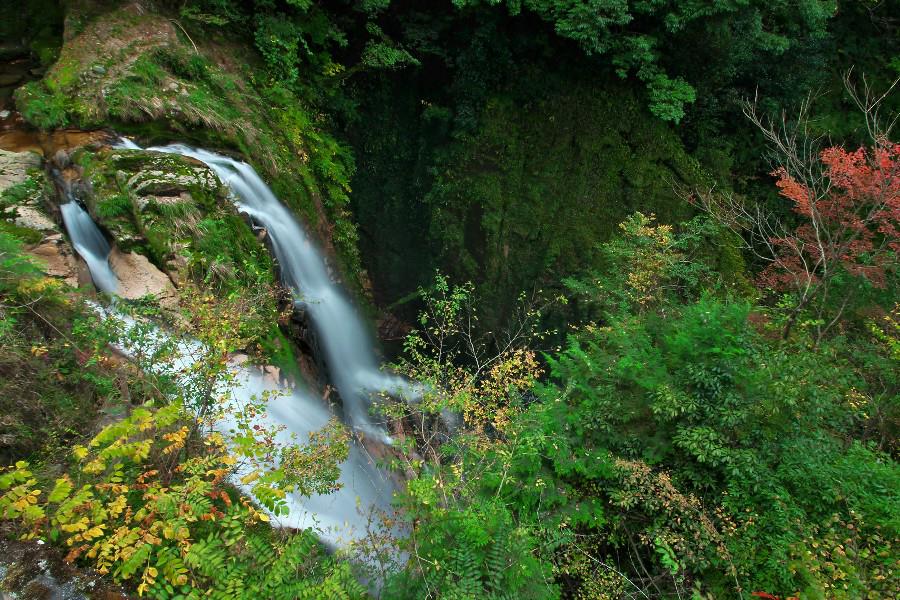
<point>343,516</point>
<point>338,518</point>
<point>349,350</point>
<point>90,244</point>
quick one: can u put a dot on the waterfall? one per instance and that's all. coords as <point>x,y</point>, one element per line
<point>349,350</point>
<point>90,244</point>
<point>342,516</point>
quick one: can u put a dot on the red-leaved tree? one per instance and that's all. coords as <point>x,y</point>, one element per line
<point>851,227</point>
<point>847,207</point>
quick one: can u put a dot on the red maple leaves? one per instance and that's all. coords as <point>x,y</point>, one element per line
<point>851,218</point>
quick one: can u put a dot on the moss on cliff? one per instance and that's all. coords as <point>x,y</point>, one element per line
<point>135,70</point>
<point>522,199</point>
<point>537,186</point>
<point>175,211</point>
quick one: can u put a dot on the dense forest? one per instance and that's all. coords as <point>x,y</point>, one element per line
<point>458,299</point>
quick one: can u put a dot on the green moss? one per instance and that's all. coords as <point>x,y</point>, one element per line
<point>279,350</point>
<point>116,205</point>
<point>41,107</point>
<point>165,206</point>
<point>20,193</point>
<point>519,202</point>
<point>23,234</point>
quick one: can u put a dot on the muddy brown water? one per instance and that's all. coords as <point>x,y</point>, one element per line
<point>16,137</point>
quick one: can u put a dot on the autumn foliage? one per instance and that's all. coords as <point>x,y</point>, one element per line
<point>850,221</point>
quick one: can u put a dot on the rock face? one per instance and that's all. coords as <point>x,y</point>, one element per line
<point>150,202</point>
<point>14,167</point>
<point>22,192</point>
<point>32,570</point>
<point>55,253</point>
<point>32,217</point>
<point>173,183</point>
<point>138,277</point>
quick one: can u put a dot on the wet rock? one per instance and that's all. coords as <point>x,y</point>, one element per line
<point>176,267</point>
<point>163,183</point>
<point>10,79</point>
<point>58,260</point>
<point>142,202</point>
<point>98,70</point>
<point>33,217</point>
<point>138,277</point>
<point>11,51</point>
<point>31,570</point>
<point>14,167</point>
<point>61,158</point>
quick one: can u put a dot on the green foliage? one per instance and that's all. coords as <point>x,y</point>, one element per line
<point>636,36</point>
<point>148,500</point>
<point>42,107</point>
<point>29,191</point>
<point>177,214</point>
<point>170,528</point>
<point>51,381</point>
<point>466,548</point>
<point>674,449</point>
<point>648,265</point>
<point>569,189</point>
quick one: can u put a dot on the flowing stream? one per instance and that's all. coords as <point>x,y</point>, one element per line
<point>89,243</point>
<point>349,350</point>
<point>343,516</point>
<point>338,518</point>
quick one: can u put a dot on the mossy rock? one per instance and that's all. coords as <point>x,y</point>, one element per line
<point>131,68</point>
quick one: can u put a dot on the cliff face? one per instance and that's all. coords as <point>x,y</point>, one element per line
<point>130,68</point>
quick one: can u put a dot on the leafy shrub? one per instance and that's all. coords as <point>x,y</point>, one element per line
<point>168,524</point>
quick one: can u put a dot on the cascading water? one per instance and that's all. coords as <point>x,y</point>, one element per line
<point>343,516</point>
<point>348,348</point>
<point>90,244</point>
<point>340,517</point>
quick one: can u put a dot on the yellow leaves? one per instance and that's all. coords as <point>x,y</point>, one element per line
<point>214,439</point>
<point>94,467</point>
<point>256,515</point>
<point>80,525</point>
<point>39,351</point>
<point>492,402</point>
<point>79,452</point>
<point>147,579</point>
<point>116,507</point>
<point>176,439</point>
<point>250,477</point>
<point>151,539</point>
<point>89,533</point>
<point>179,533</point>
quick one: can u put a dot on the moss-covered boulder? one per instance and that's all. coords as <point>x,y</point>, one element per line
<point>167,207</point>
<point>171,213</point>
